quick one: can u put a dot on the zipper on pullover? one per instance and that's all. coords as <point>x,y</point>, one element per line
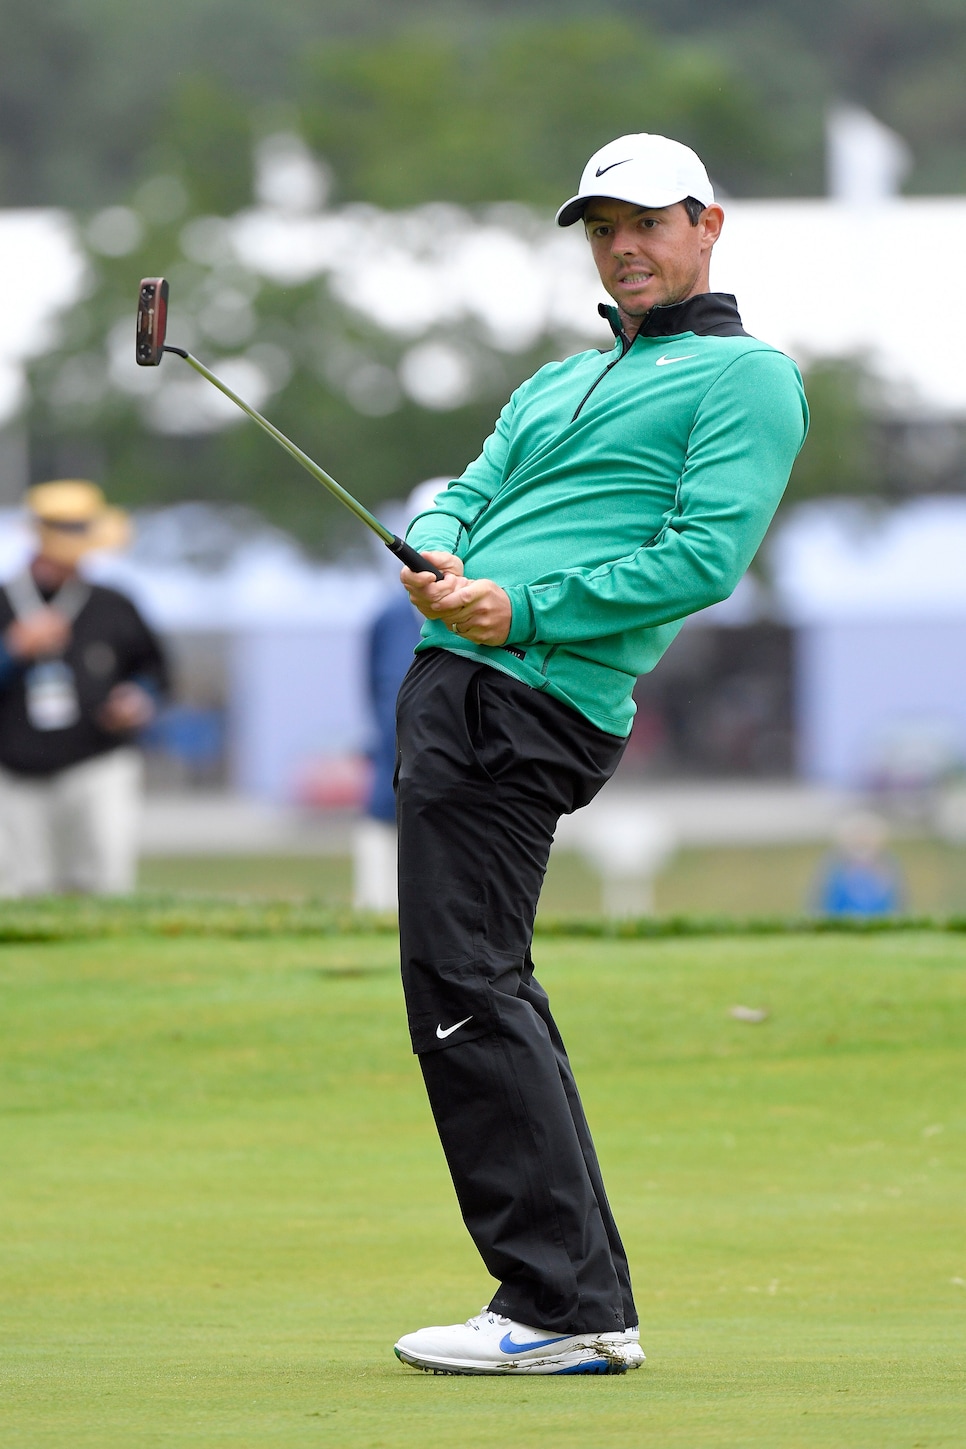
<point>710,314</point>
<point>625,349</point>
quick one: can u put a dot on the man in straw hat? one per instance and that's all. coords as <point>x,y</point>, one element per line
<point>80,674</point>
<point>618,494</point>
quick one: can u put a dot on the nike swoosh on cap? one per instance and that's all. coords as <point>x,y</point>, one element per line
<point>663,360</point>
<point>602,169</point>
<point>448,1031</point>
<point>508,1346</point>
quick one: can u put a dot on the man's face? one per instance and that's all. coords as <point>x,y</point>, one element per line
<point>63,546</point>
<point>650,256</point>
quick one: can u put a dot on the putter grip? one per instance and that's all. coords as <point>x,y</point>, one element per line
<point>407,555</point>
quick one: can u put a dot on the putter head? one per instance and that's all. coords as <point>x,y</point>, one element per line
<point>152,321</point>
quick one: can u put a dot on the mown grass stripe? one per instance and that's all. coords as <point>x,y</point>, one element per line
<point>70,919</point>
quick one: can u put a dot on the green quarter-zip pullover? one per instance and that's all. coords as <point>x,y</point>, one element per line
<point>619,493</point>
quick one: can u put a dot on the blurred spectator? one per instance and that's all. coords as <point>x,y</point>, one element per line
<point>80,674</point>
<point>393,636</point>
<point>392,639</point>
<point>191,739</point>
<point>859,877</point>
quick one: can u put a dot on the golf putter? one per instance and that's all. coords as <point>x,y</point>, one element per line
<point>152,324</point>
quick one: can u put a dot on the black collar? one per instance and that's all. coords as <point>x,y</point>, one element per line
<point>710,314</point>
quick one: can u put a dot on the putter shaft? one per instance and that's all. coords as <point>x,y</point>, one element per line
<point>403,551</point>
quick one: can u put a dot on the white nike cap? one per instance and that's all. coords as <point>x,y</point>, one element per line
<point>643,169</point>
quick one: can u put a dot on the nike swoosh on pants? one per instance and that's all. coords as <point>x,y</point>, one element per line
<point>443,1034</point>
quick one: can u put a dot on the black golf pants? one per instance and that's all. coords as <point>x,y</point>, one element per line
<point>486,767</point>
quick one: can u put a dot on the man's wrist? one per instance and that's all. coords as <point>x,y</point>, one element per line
<point>522,624</point>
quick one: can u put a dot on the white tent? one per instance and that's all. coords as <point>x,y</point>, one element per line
<point>878,602</point>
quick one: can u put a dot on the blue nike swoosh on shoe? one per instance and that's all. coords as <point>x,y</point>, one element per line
<point>508,1346</point>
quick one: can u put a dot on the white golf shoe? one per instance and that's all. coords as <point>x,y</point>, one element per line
<point>629,1344</point>
<point>491,1344</point>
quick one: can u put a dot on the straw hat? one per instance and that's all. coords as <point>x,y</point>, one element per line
<point>73,518</point>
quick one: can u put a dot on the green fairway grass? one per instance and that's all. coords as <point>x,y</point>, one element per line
<point>222,1199</point>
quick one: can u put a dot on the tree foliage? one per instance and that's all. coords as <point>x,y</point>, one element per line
<point>425,115</point>
<point>841,453</point>
<point>204,138</point>
<point>89,87</point>
<point>468,124</point>
<point>92,413</point>
<point>903,59</point>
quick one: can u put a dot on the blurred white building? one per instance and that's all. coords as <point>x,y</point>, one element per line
<point>878,604</point>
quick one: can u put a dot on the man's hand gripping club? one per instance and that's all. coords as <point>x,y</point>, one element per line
<point>476,609</point>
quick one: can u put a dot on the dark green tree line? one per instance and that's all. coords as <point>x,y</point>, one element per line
<point>93,93</point>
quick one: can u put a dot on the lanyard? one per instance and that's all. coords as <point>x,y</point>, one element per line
<point>50,689</point>
<point>26,599</point>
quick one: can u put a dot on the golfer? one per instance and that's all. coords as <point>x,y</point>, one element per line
<point>618,494</point>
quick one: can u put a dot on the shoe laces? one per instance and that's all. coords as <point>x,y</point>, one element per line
<point>486,1316</point>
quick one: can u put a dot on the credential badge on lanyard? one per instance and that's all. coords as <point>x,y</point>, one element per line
<point>50,687</point>
<point>51,695</point>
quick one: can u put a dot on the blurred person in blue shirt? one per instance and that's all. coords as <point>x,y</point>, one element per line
<point>859,877</point>
<point>393,636</point>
